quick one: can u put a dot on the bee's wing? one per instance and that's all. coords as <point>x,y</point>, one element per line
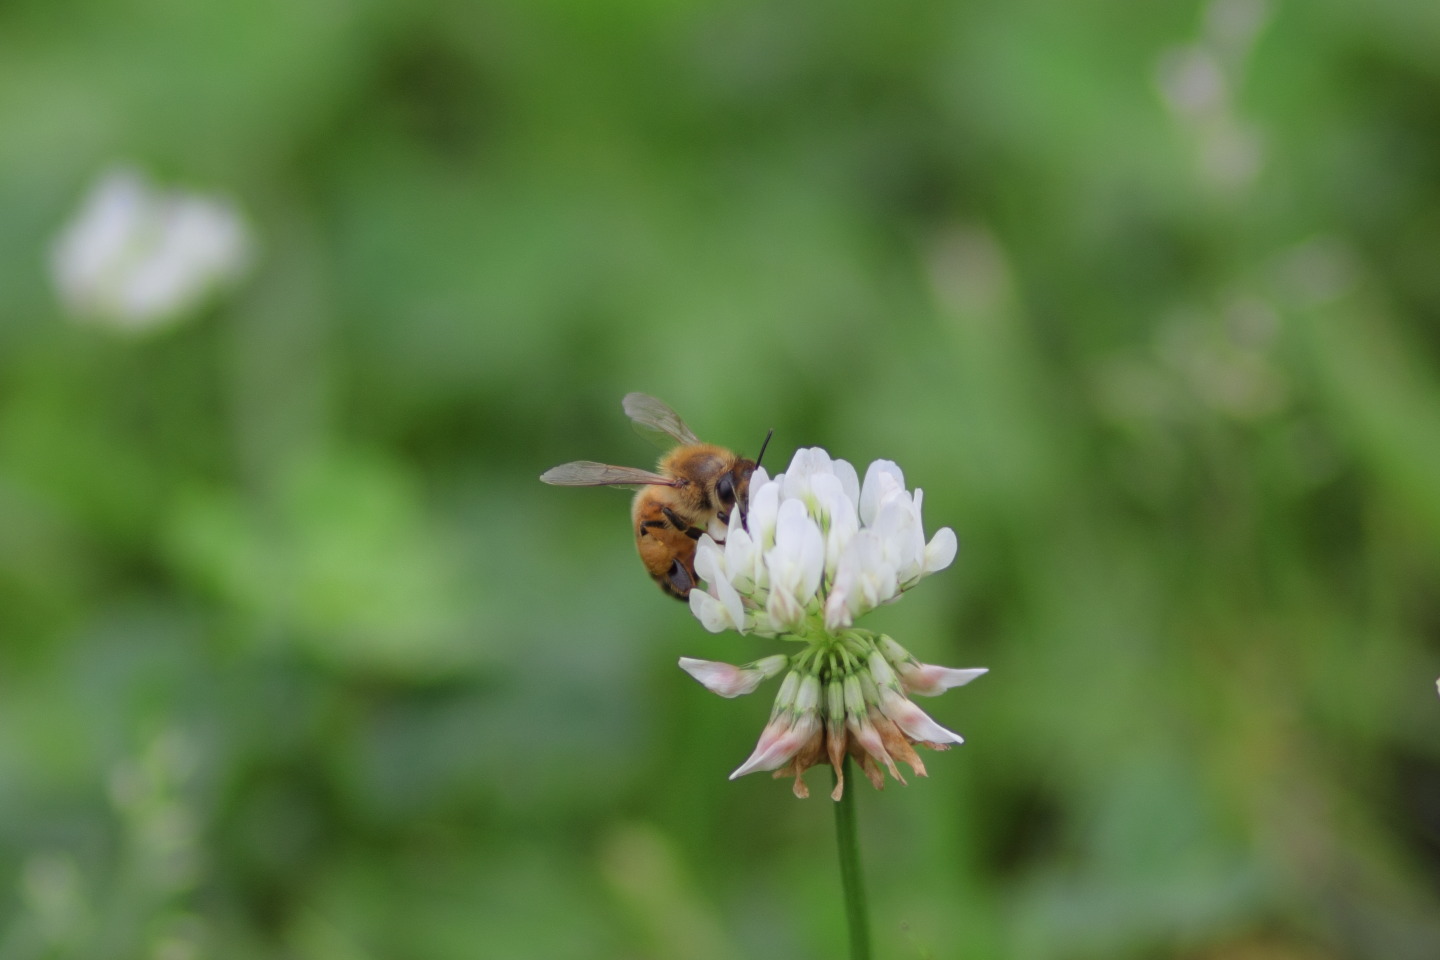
<point>655,421</point>
<point>588,473</point>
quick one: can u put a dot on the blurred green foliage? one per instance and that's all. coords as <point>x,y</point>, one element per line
<point>297,659</point>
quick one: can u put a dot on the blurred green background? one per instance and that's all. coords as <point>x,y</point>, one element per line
<point>298,659</point>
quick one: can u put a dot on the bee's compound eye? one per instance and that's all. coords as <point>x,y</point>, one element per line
<point>680,578</point>
<point>725,489</point>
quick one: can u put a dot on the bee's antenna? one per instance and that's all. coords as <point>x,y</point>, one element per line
<point>744,506</point>
<point>759,456</point>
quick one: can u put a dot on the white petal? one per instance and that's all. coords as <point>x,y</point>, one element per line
<point>730,599</point>
<point>764,512</point>
<point>808,462</point>
<point>901,539</point>
<point>940,551</point>
<point>828,495</point>
<point>881,670</point>
<point>758,624</point>
<point>849,481</point>
<point>877,582</point>
<point>741,556</point>
<point>770,666</point>
<point>789,690</point>
<point>893,652</point>
<point>812,564</point>
<point>881,479</point>
<point>710,612</point>
<point>709,561</point>
<point>808,696</point>
<point>843,528</point>
<point>789,528</point>
<point>797,561</point>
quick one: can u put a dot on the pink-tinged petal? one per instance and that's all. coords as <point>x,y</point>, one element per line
<point>777,746</point>
<point>726,680</point>
<point>929,680</point>
<point>915,722</point>
<point>784,610</point>
<point>837,613</point>
<point>774,732</point>
<point>723,678</point>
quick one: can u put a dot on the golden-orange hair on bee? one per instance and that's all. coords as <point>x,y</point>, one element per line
<point>694,485</point>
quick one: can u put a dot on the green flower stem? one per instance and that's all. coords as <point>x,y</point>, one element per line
<point>850,880</point>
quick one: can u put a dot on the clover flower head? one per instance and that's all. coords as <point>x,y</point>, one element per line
<point>818,550</point>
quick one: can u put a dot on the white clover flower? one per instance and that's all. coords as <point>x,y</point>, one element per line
<point>135,256</point>
<point>818,550</point>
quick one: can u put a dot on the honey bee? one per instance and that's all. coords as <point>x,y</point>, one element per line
<point>695,484</point>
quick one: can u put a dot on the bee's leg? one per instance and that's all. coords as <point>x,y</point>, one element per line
<point>692,532</point>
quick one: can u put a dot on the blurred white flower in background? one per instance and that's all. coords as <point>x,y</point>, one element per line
<point>1197,82</point>
<point>135,256</point>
